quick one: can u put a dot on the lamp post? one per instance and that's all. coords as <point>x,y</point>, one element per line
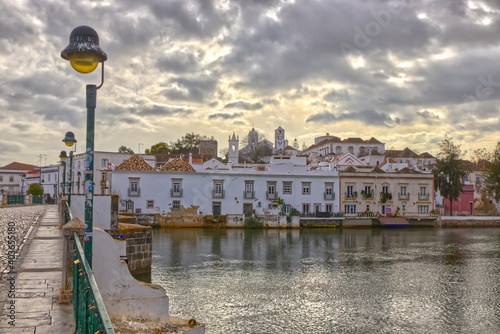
<point>23,179</point>
<point>78,183</point>
<point>69,140</point>
<point>84,54</point>
<point>55,193</point>
<point>63,156</point>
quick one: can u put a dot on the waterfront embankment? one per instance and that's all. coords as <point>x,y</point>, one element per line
<point>470,221</point>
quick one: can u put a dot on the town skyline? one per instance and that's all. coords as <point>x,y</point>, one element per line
<point>404,73</point>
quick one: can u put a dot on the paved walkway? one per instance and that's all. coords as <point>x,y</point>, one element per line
<point>37,284</point>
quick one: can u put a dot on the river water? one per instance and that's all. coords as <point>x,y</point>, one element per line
<point>332,281</point>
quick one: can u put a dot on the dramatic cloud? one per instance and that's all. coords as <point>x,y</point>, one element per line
<point>353,68</point>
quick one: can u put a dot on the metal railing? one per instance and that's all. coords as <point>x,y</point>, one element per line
<point>175,192</point>
<point>351,195</point>
<point>320,214</point>
<point>404,195</point>
<point>423,196</point>
<point>327,196</point>
<point>88,307</point>
<point>218,194</point>
<point>66,212</point>
<point>132,193</point>
<point>248,194</point>
<point>271,195</point>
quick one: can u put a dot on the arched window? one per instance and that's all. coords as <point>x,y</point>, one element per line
<point>351,149</point>
<point>338,150</point>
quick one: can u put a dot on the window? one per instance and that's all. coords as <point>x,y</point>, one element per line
<point>176,205</point>
<point>176,190</point>
<point>404,193</point>
<point>11,179</point>
<point>1,178</point>
<point>287,188</point>
<point>305,208</point>
<point>350,208</point>
<point>328,188</point>
<point>218,188</point>
<point>104,177</point>
<point>350,191</point>
<point>104,163</point>
<point>271,190</point>
<point>368,208</point>
<point>382,209</point>
<point>306,188</point>
<point>385,189</point>
<point>338,150</point>
<point>423,191</point>
<point>49,177</point>
<point>248,192</point>
<point>466,178</point>
<point>350,149</point>
<point>150,204</point>
<point>329,208</point>
<point>134,189</point>
<point>368,191</point>
<point>79,166</point>
<point>478,180</point>
<point>403,207</point>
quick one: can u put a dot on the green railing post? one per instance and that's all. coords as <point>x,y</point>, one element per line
<point>89,172</point>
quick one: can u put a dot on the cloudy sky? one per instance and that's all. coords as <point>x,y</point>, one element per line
<point>404,72</point>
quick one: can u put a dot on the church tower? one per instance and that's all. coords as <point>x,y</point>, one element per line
<point>253,139</point>
<point>232,156</point>
<point>279,140</point>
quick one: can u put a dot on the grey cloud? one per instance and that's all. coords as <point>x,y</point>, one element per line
<point>244,105</point>
<point>225,115</point>
<point>178,63</point>
<point>157,110</point>
<point>337,95</point>
<point>367,116</point>
<point>190,88</point>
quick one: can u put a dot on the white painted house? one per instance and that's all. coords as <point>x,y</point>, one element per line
<point>236,189</point>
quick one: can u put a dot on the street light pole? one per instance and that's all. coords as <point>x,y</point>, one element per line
<point>63,157</point>
<point>69,140</point>
<point>84,54</point>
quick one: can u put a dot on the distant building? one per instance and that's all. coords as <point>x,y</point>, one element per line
<point>11,177</point>
<point>208,149</point>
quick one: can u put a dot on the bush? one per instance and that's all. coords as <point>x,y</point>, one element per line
<point>35,189</point>
<point>253,223</point>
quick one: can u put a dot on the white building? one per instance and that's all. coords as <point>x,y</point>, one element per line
<point>11,177</point>
<point>286,182</point>
<point>328,146</point>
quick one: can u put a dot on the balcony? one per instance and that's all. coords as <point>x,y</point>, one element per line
<point>248,194</point>
<point>218,194</point>
<point>404,196</point>
<point>349,195</point>
<point>134,193</point>
<point>423,197</point>
<point>175,192</point>
<point>330,196</point>
<point>271,195</point>
<point>367,194</point>
<point>104,184</point>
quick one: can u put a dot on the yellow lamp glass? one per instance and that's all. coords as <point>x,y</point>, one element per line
<point>63,158</point>
<point>69,143</point>
<point>84,62</point>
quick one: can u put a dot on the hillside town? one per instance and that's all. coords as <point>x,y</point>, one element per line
<point>332,177</point>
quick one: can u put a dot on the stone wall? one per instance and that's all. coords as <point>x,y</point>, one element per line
<point>470,223</point>
<point>139,246</point>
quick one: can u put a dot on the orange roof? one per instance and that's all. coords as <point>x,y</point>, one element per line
<point>135,163</point>
<point>407,170</point>
<point>177,165</point>
<point>18,166</point>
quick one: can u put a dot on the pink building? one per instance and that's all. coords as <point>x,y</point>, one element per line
<point>464,203</point>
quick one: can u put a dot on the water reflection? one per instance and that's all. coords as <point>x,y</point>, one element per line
<point>326,280</point>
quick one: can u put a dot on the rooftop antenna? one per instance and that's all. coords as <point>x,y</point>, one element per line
<point>40,156</point>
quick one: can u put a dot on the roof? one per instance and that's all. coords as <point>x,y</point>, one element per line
<point>18,166</point>
<point>135,163</point>
<point>387,161</point>
<point>354,140</point>
<point>406,153</point>
<point>377,170</point>
<point>349,169</point>
<point>426,155</point>
<point>177,165</point>
<point>407,170</point>
<point>372,140</point>
<point>289,148</point>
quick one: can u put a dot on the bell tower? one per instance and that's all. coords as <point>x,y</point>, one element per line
<point>279,140</point>
<point>232,156</point>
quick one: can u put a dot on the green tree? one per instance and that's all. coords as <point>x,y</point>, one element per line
<point>295,144</point>
<point>190,143</point>
<point>255,154</point>
<point>160,147</point>
<point>35,189</point>
<point>125,149</point>
<point>492,176</point>
<point>450,171</point>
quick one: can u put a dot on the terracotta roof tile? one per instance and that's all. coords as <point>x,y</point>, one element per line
<point>426,155</point>
<point>373,140</point>
<point>135,163</point>
<point>18,166</point>
<point>350,169</point>
<point>407,170</point>
<point>177,165</point>
<point>354,140</point>
<point>377,170</point>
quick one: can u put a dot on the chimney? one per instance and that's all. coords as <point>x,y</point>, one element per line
<point>191,158</point>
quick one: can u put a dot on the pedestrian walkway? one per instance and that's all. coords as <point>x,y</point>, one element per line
<point>37,283</point>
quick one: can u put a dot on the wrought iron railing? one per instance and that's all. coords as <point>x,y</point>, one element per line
<point>88,307</point>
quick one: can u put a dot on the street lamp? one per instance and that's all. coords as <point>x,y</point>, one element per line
<point>78,183</point>
<point>69,140</point>
<point>63,156</point>
<point>84,54</point>
<point>55,193</point>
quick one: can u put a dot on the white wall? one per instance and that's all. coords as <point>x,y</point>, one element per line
<point>102,210</point>
<point>197,190</point>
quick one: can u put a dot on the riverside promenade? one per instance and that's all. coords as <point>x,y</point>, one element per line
<point>30,290</point>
